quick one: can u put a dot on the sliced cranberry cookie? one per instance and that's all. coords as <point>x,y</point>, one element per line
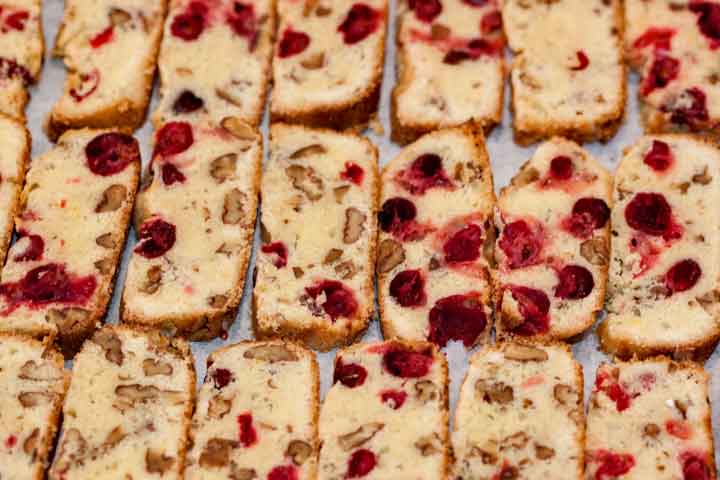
<point>520,414</point>
<point>315,265</point>
<point>14,158</point>
<point>75,211</point>
<point>110,49</point>
<point>553,245</point>
<point>386,415</point>
<point>128,409</point>
<point>329,60</point>
<point>663,291</point>
<point>194,219</point>
<point>450,66</point>
<point>436,240</point>
<point>257,414</point>
<point>568,74</point>
<point>650,419</point>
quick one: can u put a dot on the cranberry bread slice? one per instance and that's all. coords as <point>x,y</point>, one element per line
<point>128,409</point>
<point>386,416</point>
<point>33,382</point>
<point>76,208</point>
<point>315,265</point>
<point>450,66</point>
<point>14,158</point>
<point>329,60</point>
<point>257,414</point>
<point>238,36</point>
<point>195,220</point>
<point>568,74</point>
<point>436,238</point>
<point>663,292</point>
<point>553,247</point>
<point>110,49</point>
<point>650,419</point>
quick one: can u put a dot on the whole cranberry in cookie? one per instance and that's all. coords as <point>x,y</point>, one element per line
<point>658,38</point>
<point>582,61</point>
<point>16,20</point>
<point>292,43</point>
<point>561,168</point>
<point>34,249</point>
<point>187,102</point>
<point>689,108</point>
<point>491,22</point>
<point>247,434</point>
<point>659,157</point>
<point>191,23</point>
<point>426,172</point>
<point>588,214</point>
<point>9,68</point>
<point>457,317</point>
<point>243,21</point>
<point>397,216</point>
<point>404,363</point>
<point>353,173</point>
<point>520,244</point>
<point>279,250</point>
<point>109,153</point>
<point>283,472</point>
<point>608,384</point>
<point>361,22</point>
<point>349,374</point>
<point>649,213</point>
<point>173,138</point>
<point>683,276</point>
<point>464,245</point>
<point>102,38</point>
<point>393,398</point>
<point>408,288</point>
<point>171,174</point>
<point>361,463</point>
<point>708,19</point>
<point>339,300</point>
<point>663,70</point>
<point>221,377</point>
<point>156,237</point>
<point>426,10</point>
<point>534,307</point>
<point>574,282</point>
<point>611,465</point>
<point>695,466</point>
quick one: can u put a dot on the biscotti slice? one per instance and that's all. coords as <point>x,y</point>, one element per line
<point>329,58</point>
<point>568,74</point>
<point>195,219</point>
<point>450,66</point>
<point>257,413</point>
<point>33,382</point>
<point>386,415</point>
<point>315,265</point>
<point>128,409</point>
<point>520,414</point>
<point>14,158</point>
<point>238,37</point>
<point>650,419</point>
<point>75,211</point>
<point>110,49</point>
<point>553,244</point>
<point>663,291</point>
<point>436,239</point>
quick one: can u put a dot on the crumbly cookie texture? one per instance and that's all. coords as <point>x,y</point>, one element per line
<point>257,414</point>
<point>663,293</point>
<point>329,58</point>
<point>436,240</point>
<point>238,36</point>
<point>110,49</point>
<point>450,66</point>
<point>520,414</point>
<point>315,264</point>
<point>650,419</point>
<point>386,415</point>
<point>33,383</point>
<point>568,74</point>
<point>553,245</point>
<point>14,158</point>
<point>74,214</point>
<point>195,219</point>
<point>128,409</point>
<point>673,45</point>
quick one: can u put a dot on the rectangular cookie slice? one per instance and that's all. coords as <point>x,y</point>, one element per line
<point>329,59</point>
<point>436,239</point>
<point>663,291</point>
<point>315,266</point>
<point>110,49</point>
<point>33,382</point>
<point>14,158</point>
<point>650,419</point>
<point>386,416</point>
<point>238,37</point>
<point>128,409</point>
<point>257,414</point>
<point>73,220</point>
<point>195,219</point>
<point>553,244</point>
<point>568,74</point>
<point>520,414</point>
<point>450,66</point>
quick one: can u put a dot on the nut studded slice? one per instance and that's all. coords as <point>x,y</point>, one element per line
<point>663,291</point>
<point>568,75</point>
<point>436,240</point>
<point>386,415</point>
<point>238,36</point>
<point>650,419</point>
<point>257,414</point>
<point>110,49</point>
<point>553,244</point>
<point>32,386</point>
<point>520,414</point>
<point>128,409</point>
<point>315,265</point>
<point>450,66</point>
<point>76,208</point>
<point>195,220</point>
<point>14,158</point>
<point>329,60</point>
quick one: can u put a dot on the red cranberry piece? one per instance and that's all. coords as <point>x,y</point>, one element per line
<point>88,84</point>
<point>280,251</point>
<point>34,250</point>
<point>520,245</point>
<point>479,47</point>
<point>534,306</point>
<point>171,174</point>
<point>242,20</point>
<point>339,300</point>
<point>283,472</point>
<point>221,377</point>
<point>156,237</point>
<point>109,153</point>
<point>426,172</point>
<point>663,70</point>
<point>408,288</point>
<point>248,435</point>
<point>361,463</point>
<point>659,157</point>
<point>679,429</point>
<point>173,138</point>
<point>425,10</point>
<point>650,213</point>
<point>187,102</point>
<point>11,441</point>
<point>292,43</point>
<point>506,472</point>
<point>464,245</point>
<point>102,38</point>
<point>16,20</point>
<point>453,57</point>
<point>475,3</point>
<point>353,173</point>
<point>659,38</point>
<point>457,317</point>
<point>395,212</point>
<point>349,374</point>
<point>407,363</point>
<point>361,21</point>
<point>583,61</point>
<point>587,215</point>
<point>9,68</point>
<point>682,276</point>
<point>491,22</point>
<point>610,386</point>
<point>575,282</point>
<point>612,465</point>
<point>191,23</point>
<point>690,108</point>
<point>561,168</point>
<point>393,398</point>
<point>695,466</point>
<point>708,18</point>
